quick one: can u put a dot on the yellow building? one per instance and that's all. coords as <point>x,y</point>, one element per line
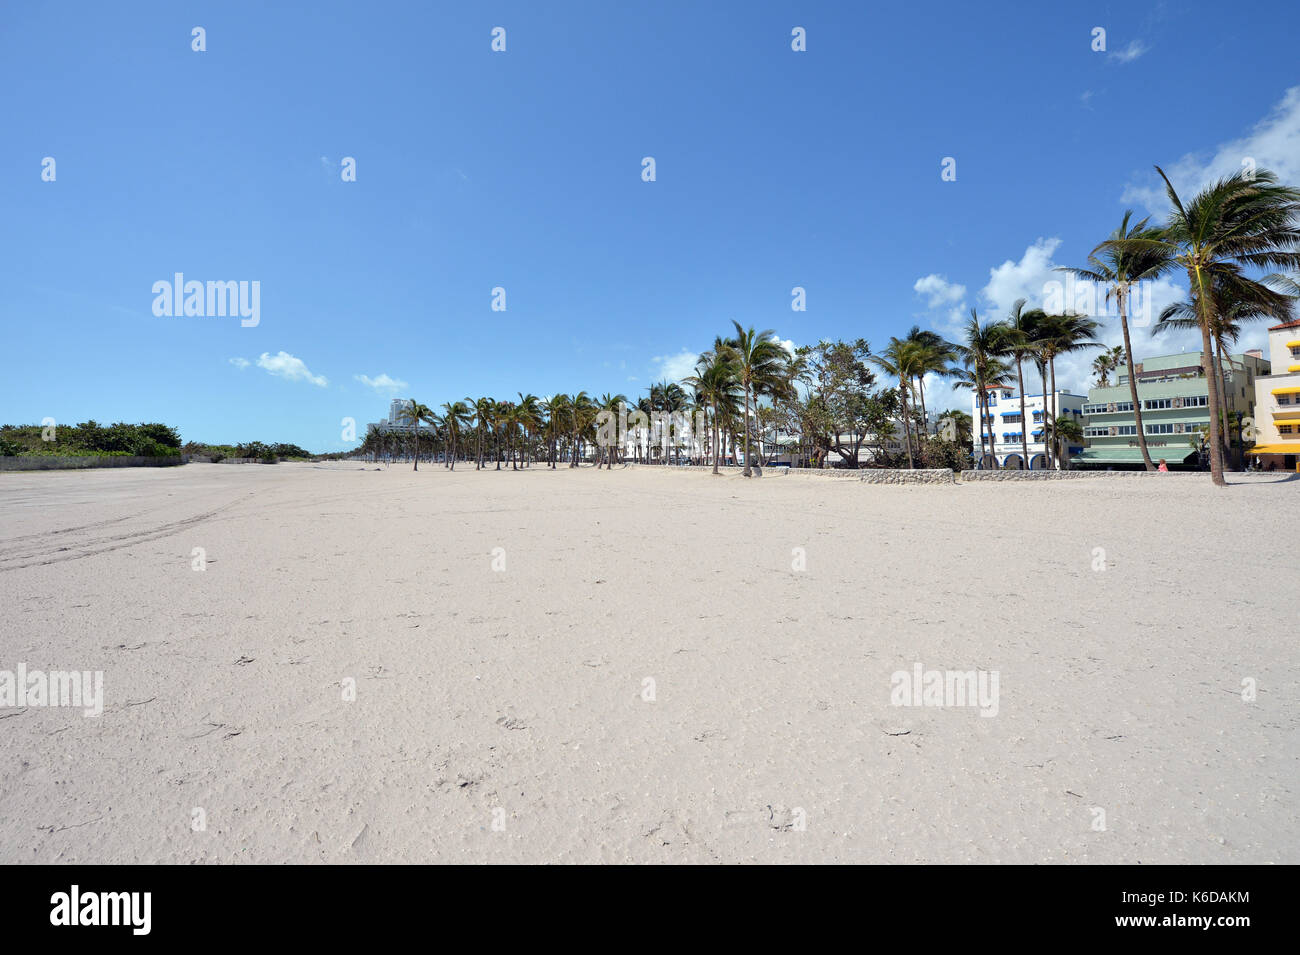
<point>1277,402</point>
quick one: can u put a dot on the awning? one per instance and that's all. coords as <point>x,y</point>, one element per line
<point>1294,344</point>
<point>1294,390</point>
<point>1293,368</point>
<point>1275,449</point>
<point>1130,456</point>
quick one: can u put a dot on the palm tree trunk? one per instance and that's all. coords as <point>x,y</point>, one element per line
<point>1132,381</point>
<point>1024,424</point>
<point>907,428</point>
<point>1223,400</point>
<point>1047,448</point>
<point>1211,379</point>
<point>1055,457</point>
<point>748,472</point>
<point>986,414</point>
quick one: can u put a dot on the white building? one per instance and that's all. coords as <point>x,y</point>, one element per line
<point>1008,426</point>
<point>394,420</point>
<point>1277,402</point>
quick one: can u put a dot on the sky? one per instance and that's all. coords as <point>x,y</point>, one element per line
<point>523,169</point>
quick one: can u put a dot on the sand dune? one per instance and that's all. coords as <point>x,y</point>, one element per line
<point>502,714</point>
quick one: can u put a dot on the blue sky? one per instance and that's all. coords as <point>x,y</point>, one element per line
<point>523,170</point>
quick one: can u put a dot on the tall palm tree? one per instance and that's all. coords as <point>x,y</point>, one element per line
<point>483,411</point>
<point>902,360</point>
<point>581,412</point>
<point>1129,256</point>
<point>1023,327</point>
<point>982,354</point>
<point>557,411</point>
<point>413,413</point>
<point>530,422</point>
<point>760,363</point>
<point>455,414</point>
<point>1061,335</point>
<point>1240,222</point>
<point>611,405</point>
<point>936,357</point>
<point>718,385</point>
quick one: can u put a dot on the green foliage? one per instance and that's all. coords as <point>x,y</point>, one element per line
<point>91,439</point>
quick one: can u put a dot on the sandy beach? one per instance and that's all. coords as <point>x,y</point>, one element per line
<point>645,666</point>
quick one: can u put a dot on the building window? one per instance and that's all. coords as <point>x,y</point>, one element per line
<point>1127,429</point>
<point>1196,401</point>
<point>1284,429</point>
<point>1160,428</point>
<point>1156,404</point>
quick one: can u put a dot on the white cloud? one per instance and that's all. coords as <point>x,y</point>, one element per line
<point>1024,279</point>
<point>938,290</point>
<point>1129,53</point>
<point>786,343</point>
<point>383,384</point>
<point>240,363</point>
<point>675,367</point>
<point>284,365</point>
<point>1273,143</point>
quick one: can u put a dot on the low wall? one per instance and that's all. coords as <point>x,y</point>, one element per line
<point>866,475</point>
<point>56,462</point>
<point>908,476</point>
<point>1054,475</point>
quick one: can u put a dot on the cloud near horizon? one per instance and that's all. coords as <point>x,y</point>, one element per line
<point>284,365</point>
<point>383,384</point>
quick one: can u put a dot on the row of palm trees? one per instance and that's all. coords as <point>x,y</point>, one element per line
<point>1239,224</point>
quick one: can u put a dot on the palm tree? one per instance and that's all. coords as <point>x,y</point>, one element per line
<point>760,363</point>
<point>413,413</point>
<point>530,422</point>
<point>611,405</point>
<point>902,360</point>
<point>718,385</point>
<point>1023,327</point>
<point>1240,222</point>
<point>455,414</point>
<point>1130,255</point>
<point>1230,311</point>
<point>936,357</point>
<point>981,354</point>
<point>1060,335</point>
<point>484,416</point>
<point>1066,432</point>
<point>1105,363</point>
<point>557,410</point>
<point>581,412</point>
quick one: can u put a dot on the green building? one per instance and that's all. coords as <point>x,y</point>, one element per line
<point>1175,410</point>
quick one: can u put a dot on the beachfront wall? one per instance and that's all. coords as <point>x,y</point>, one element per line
<point>1277,402</point>
<point>1004,413</point>
<point>1175,408</point>
<point>54,462</point>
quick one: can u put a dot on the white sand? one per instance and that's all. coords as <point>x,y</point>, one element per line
<point>521,691</point>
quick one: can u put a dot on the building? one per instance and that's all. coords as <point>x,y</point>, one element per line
<point>1175,409</point>
<point>1004,414</point>
<point>394,420</point>
<point>1277,402</point>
